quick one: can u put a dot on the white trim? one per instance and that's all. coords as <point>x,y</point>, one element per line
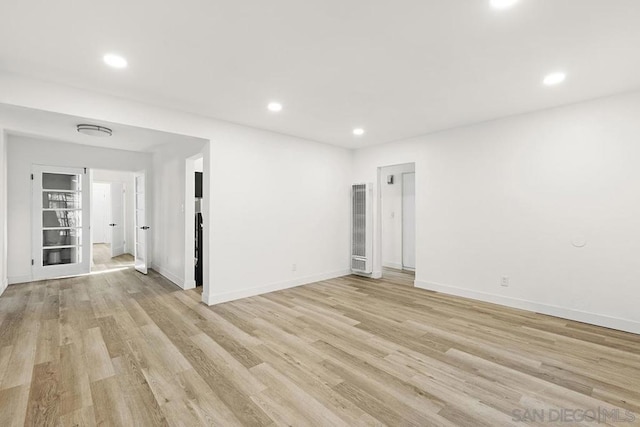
<point>374,275</point>
<point>551,310</point>
<point>191,284</point>
<point>396,265</point>
<point>4,285</point>
<point>245,293</point>
<point>14,280</point>
<point>167,274</point>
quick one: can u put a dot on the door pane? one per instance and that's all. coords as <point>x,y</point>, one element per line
<point>141,235</point>
<point>60,200</point>
<point>62,218</point>
<point>62,256</point>
<point>64,237</point>
<point>140,201</point>
<point>139,218</point>
<point>59,181</point>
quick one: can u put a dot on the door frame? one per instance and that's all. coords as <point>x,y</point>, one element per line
<point>402,212</point>
<point>377,219</point>
<point>189,218</point>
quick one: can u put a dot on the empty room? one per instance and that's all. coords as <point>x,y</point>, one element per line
<point>320,213</point>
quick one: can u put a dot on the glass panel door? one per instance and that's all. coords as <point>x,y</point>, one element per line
<point>61,245</point>
<point>141,227</point>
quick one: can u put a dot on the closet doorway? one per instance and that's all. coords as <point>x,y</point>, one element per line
<point>195,211</point>
<point>398,222</point>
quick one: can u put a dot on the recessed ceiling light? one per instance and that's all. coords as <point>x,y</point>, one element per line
<point>115,61</point>
<point>274,107</point>
<point>554,78</point>
<point>503,4</point>
<point>358,131</point>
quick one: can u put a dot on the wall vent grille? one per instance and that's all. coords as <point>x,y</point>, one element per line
<point>361,228</point>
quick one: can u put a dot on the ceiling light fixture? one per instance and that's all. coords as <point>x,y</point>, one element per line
<point>274,107</point>
<point>115,61</point>
<point>554,78</point>
<point>358,131</point>
<point>503,4</point>
<point>94,130</point>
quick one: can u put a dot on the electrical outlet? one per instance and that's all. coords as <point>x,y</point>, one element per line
<point>504,281</point>
<point>294,267</point>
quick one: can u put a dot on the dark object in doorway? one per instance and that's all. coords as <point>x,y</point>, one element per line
<point>198,252</point>
<point>198,185</point>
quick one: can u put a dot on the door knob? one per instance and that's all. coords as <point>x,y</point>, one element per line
<point>112,225</point>
<point>144,227</point>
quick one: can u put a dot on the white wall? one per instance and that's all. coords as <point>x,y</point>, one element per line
<point>3,211</point>
<point>273,200</point>
<point>392,214</point>
<point>508,197</point>
<point>22,153</point>
<point>126,178</point>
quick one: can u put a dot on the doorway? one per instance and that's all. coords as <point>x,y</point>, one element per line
<point>397,223</point>
<point>194,255</point>
<point>111,219</point>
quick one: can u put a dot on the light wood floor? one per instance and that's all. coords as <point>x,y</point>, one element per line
<point>398,277</point>
<point>102,258</point>
<point>120,348</point>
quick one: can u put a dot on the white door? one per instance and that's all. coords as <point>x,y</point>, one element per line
<point>409,221</point>
<point>100,213</point>
<point>117,219</point>
<point>61,240</point>
<point>142,230</point>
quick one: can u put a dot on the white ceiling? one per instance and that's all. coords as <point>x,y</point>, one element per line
<point>397,68</point>
<point>62,127</point>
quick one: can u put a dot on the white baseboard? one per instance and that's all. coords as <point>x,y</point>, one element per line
<point>551,310</point>
<point>396,265</point>
<point>14,280</point>
<point>169,275</point>
<point>372,275</point>
<point>212,298</point>
<point>3,286</point>
<point>190,284</point>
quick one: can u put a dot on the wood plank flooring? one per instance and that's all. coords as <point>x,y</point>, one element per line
<point>102,258</point>
<point>119,348</point>
<point>398,277</point>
